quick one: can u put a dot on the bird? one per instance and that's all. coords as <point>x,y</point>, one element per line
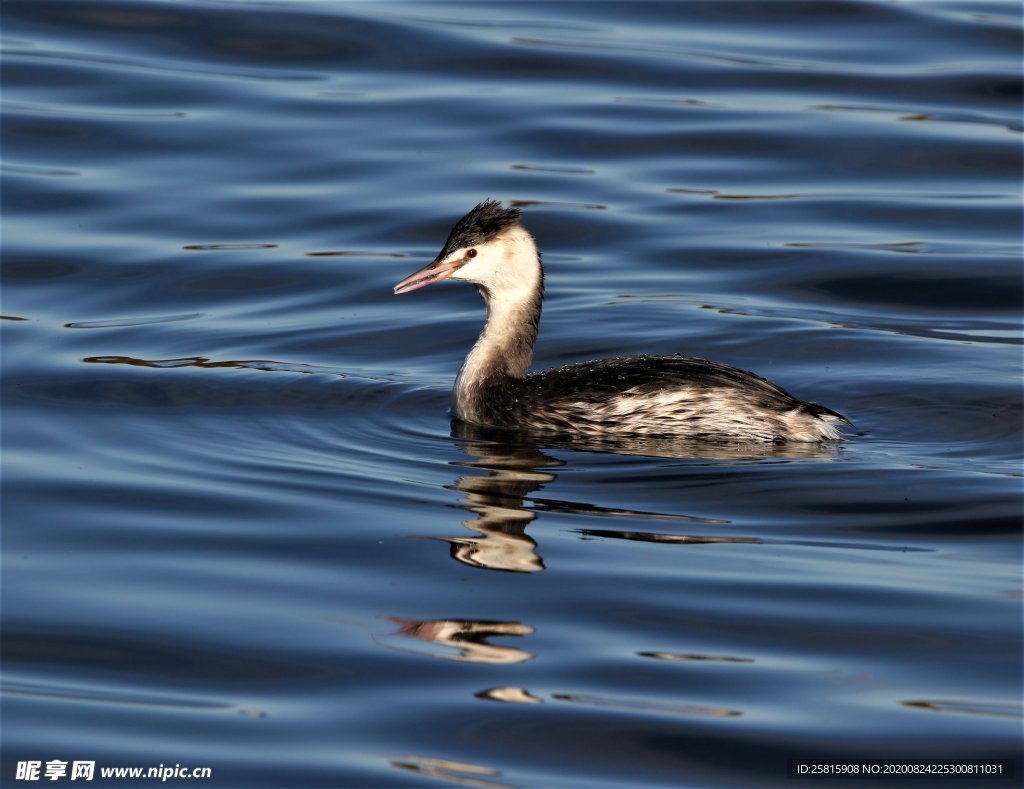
<point>648,395</point>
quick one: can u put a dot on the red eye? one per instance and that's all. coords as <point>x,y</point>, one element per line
<point>471,253</point>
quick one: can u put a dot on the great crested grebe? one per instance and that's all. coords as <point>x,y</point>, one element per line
<point>630,395</point>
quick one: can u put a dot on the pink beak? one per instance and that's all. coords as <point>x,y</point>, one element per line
<point>432,272</point>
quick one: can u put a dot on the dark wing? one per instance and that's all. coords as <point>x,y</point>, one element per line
<point>599,380</point>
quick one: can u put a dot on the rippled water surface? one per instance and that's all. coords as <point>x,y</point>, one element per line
<point>240,530</point>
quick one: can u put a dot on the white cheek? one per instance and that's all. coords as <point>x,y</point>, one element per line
<point>472,271</point>
<point>484,268</point>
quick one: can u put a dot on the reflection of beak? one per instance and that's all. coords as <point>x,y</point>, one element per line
<point>432,272</point>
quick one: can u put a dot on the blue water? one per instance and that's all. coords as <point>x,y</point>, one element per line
<point>240,531</point>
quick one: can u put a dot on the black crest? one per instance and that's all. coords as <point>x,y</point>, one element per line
<point>487,220</point>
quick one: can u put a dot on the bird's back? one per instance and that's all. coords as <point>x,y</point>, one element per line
<point>660,396</point>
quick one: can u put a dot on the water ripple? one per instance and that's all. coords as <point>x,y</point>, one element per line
<point>241,528</point>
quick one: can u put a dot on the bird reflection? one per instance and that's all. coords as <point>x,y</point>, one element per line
<point>514,470</point>
<point>649,706</point>
<point>645,446</point>
<point>694,656</point>
<point>676,539</point>
<point>466,639</point>
<point>517,467</point>
<point>461,773</point>
<point>1008,710</point>
<point>509,695</point>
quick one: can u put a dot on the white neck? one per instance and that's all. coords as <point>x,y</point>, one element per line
<point>512,291</point>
